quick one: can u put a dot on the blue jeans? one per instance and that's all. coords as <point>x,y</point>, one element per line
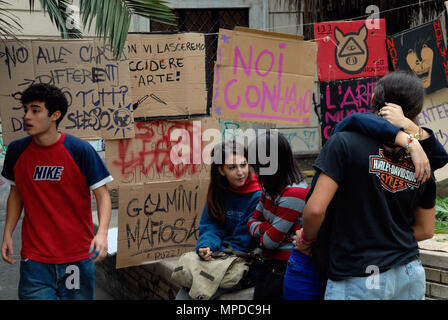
<point>405,282</point>
<point>45,281</point>
<point>301,279</point>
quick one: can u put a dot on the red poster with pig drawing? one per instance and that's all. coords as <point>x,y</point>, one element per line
<point>351,49</point>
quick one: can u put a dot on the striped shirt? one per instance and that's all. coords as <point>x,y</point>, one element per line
<point>275,221</point>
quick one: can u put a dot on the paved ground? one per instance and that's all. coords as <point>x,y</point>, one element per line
<point>9,274</point>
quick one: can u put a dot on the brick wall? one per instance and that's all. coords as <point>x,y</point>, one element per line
<point>151,281</point>
<point>147,282</point>
<point>436,268</point>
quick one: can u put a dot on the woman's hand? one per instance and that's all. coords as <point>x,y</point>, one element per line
<point>420,161</point>
<point>300,246</point>
<point>394,114</point>
<point>205,253</point>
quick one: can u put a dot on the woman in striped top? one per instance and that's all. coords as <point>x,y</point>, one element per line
<point>277,215</point>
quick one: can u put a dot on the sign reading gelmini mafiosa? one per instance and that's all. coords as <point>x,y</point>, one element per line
<point>159,220</point>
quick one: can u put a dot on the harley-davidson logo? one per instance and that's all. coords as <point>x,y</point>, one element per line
<point>393,176</point>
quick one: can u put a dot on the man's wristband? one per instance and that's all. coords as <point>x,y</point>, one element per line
<point>305,241</point>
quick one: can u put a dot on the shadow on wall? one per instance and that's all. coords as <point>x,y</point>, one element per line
<point>4,192</point>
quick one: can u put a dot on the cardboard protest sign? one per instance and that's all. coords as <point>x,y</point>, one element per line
<point>351,49</point>
<point>148,156</point>
<point>435,116</point>
<point>159,220</point>
<point>339,99</point>
<point>303,140</point>
<point>421,50</point>
<point>167,74</point>
<point>96,86</point>
<point>264,77</point>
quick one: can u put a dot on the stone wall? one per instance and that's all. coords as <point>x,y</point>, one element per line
<point>436,267</point>
<point>146,282</point>
<point>152,281</point>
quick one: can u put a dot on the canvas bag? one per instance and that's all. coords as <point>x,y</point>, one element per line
<point>225,270</point>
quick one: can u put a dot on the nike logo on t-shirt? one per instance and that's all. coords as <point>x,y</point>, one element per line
<point>48,173</point>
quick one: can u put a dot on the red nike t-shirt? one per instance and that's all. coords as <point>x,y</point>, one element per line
<point>54,183</point>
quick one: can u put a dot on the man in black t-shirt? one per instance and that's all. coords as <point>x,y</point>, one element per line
<point>375,211</point>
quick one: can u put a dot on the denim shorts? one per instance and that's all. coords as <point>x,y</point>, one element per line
<point>405,282</point>
<point>45,281</point>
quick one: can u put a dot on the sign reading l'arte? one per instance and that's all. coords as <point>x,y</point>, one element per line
<point>167,74</point>
<point>264,77</point>
<point>159,220</point>
<point>339,99</point>
<point>351,49</point>
<point>96,86</point>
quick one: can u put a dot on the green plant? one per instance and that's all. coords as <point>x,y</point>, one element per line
<point>441,215</point>
<point>9,23</point>
<point>112,18</point>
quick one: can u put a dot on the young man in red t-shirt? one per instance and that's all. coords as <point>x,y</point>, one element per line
<point>51,175</point>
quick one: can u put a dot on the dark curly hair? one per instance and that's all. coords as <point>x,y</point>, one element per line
<point>288,171</point>
<point>53,97</point>
<point>402,88</point>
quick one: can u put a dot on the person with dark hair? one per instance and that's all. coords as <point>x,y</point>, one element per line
<point>52,96</point>
<point>52,175</point>
<point>368,208</point>
<point>277,216</point>
<point>232,196</point>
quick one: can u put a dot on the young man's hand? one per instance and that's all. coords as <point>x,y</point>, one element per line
<point>8,250</point>
<point>99,244</point>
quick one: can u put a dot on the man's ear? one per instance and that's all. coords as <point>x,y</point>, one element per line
<point>55,115</point>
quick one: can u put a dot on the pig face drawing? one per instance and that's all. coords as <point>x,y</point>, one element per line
<point>351,52</point>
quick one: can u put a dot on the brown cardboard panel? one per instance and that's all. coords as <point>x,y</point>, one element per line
<point>159,220</point>
<point>16,70</point>
<point>157,104</point>
<point>288,100</point>
<point>147,157</point>
<point>264,77</point>
<point>271,52</point>
<point>97,86</point>
<point>16,65</point>
<point>167,74</point>
<point>268,33</point>
<point>435,116</point>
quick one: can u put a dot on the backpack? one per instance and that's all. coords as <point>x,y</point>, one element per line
<point>225,270</point>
